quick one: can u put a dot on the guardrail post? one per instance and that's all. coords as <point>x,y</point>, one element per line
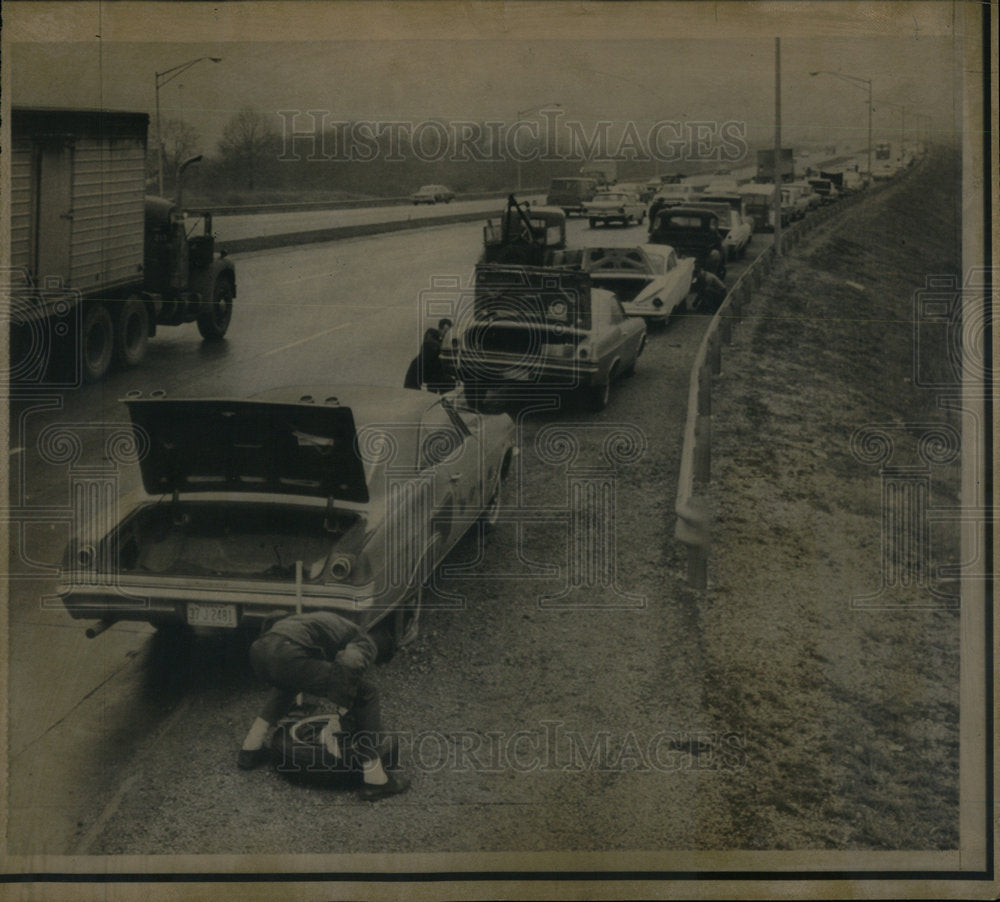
<point>703,448</point>
<point>704,391</point>
<point>697,566</point>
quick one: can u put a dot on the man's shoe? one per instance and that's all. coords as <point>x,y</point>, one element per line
<point>372,792</point>
<point>388,752</point>
<point>248,759</point>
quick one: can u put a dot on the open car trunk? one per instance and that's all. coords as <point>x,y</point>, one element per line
<point>242,540</point>
<point>624,287</point>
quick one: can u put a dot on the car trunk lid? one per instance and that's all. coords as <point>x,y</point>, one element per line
<point>212,445</point>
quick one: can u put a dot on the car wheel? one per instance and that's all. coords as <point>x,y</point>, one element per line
<point>213,323</point>
<point>491,515</point>
<point>598,396</point>
<point>132,333</point>
<point>629,371</point>
<point>406,619</point>
<point>97,342</point>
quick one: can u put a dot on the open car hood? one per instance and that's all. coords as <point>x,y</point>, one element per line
<point>222,445</point>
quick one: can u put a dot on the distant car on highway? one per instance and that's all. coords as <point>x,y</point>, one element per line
<point>432,194</point>
<point>615,206</point>
<point>649,280</point>
<point>692,232</point>
<point>542,328</point>
<point>324,497</point>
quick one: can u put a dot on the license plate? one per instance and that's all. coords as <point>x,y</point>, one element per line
<point>212,615</point>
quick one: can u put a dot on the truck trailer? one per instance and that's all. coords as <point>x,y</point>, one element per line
<point>96,265</point>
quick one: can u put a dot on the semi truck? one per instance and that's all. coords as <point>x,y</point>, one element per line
<point>96,265</point>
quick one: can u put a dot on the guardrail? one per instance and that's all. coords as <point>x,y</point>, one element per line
<point>692,527</point>
<point>360,203</point>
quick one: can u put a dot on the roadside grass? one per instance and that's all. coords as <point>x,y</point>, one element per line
<point>849,709</point>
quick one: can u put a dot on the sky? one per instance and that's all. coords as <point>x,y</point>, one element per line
<point>635,79</point>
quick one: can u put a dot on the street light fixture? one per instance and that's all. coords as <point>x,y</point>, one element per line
<point>854,79</point>
<point>162,78</point>
<point>520,115</point>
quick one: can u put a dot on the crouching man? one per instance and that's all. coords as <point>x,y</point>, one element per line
<point>326,655</point>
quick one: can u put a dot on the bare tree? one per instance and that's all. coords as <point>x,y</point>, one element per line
<point>247,140</point>
<point>180,141</point>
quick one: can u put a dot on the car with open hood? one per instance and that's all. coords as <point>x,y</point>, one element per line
<point>342,498</point>
<point>649,280</point>
<point>534,329</point>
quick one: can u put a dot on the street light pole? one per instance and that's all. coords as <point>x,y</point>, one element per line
<point>858,81</point>
<point>520,115</point>
<point>778,168</point>
<point>162,79</point>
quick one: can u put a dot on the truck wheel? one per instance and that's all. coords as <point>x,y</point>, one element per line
<point>132,333</point>
<point>97,341</point>
<point>212,324</point>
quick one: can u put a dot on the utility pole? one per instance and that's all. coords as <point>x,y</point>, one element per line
<point>777,146</point>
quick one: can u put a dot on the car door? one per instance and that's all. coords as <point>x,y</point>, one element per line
<point>449,457</point>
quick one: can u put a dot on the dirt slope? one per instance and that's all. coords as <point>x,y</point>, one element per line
<point>849,708</point>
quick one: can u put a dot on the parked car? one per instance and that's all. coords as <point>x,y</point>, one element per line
<point>826,190</point>
<point>340,498</point>
<point>735,225</point>
<point>649,280</point>
<point>540,328</point>
<point>570,194</point>
<point>758,201</point>
<point>615,206</point>
<point>811,196</point>
<point>641,189</point>
<point>796,200</point>
<point>432,194</point>
<point>692,232</point>
<point>671,195</point>
<point>722,186</point>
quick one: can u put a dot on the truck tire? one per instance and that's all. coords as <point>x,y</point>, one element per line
<point>131,333</point>
<point>213,323</point>
<point>97,342</point>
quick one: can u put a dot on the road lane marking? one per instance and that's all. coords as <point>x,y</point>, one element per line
<point>302,341</point>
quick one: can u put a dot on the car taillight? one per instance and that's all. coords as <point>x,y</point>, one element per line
<point>657,302</point>
<point>341,566</point>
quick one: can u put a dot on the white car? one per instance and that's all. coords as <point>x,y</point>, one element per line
<point>615,206</point>
<point>650,280</point>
